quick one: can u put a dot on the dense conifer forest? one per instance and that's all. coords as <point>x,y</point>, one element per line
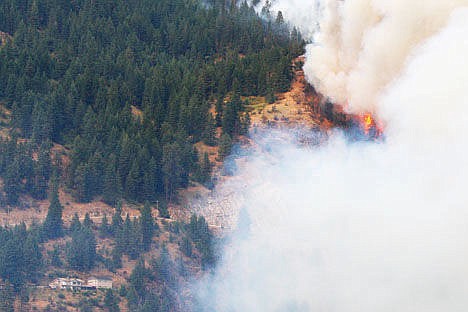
<point>127,87</point>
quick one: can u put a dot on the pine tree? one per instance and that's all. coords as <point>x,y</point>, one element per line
<point>138,277</point>
<point>42,172</point>
<point>132,186</point>
<point>163,211</point>
<point>81,251</point>
<point>32,255</point>
<point>205,169</point>
<point>147,226</point>
<point>7,298</point>
<point>75,224</point>
<point>132,298</point>
<point>53,222</point>
<point>41,123</point>
<point>116,258</point>
<point>116,220</point>
<point>55,257</point>
<point>87,222</point>
<point>186,247</point>
<point>111,302</point>
<point>112,188</point>
<point>225,145</point>
<point>163,268</point>
<point>104,228</point>
<point>209,133</point>
<point>172,168</point>
<point>12,184</point>
<point>219,112</point>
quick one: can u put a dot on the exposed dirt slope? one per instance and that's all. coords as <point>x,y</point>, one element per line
<point>299,106</point>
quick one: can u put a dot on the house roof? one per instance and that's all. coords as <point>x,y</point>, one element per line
<point>100,278</point>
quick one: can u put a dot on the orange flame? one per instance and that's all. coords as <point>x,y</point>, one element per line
<point>368,123</point>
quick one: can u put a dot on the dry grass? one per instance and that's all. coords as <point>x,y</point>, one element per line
<point>290,109</point>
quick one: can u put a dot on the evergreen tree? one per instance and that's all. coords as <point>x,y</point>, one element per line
<point>205,169</point>
<point>104,228</point>
<point>42,171</point>
<point>32,255</point>
<point>87,222</point>
<point>186,247</point>
<point>112,189</point>
<point>81,251</point>
<point>132,298</point>
<point>75,224</point>
<point>163,211</point>
<point>55,257</point>
<point>12,184</point>
<point>53,222</point>
<point>7,298</point>
<point>209,133</point>
<point>111,302</point>
<point>147,226</point>
<point>116,220</point>
<point>163,268</point>
<point>116,260</point>
<point>133,182</point>
<point>219,112</point>
<point>225,144</point>
<point>172,168</point>
<point>138,278</point>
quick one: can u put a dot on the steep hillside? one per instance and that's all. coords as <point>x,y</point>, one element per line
<point>110,112</point>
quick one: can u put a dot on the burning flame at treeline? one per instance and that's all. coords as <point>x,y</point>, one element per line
<point>370,126</point>
<point>362,126</point>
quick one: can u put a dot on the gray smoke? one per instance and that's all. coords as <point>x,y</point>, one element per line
<point>367,226</point>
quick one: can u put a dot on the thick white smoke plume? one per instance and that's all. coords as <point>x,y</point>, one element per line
<point>364,45</point>
<point>363,227</point>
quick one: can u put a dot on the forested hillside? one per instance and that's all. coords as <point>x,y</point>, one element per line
<point>127,86</point>
<point>108,99</point>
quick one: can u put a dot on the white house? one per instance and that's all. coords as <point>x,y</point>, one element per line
<point>67,283</point>
<point>100,282</point>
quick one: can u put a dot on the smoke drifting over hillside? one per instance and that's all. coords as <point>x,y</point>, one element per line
<point>364,44</point>
<point>363,227</point>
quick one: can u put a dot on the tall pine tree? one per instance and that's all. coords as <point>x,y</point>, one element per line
<point>53,223</point>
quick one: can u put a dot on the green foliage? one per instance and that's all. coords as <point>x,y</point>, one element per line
<point>21,173</point>
<point>7,298</point>
<point>162,209</point>
<point>111,302</point>
<point>81,251</point>
<point>54,255</point>
<point>53,222</point>
<point>75,225</point>
<point>128,238</point>
<point>76,72</point>
<point>87,222</point>
<point>147,226</point>
<point>104,228</point>
<point>202,237</point>
<point>116,220</point>
<point>116,260</point>
<point>138,278</point>
<point>225,144</point>
<point>164,268</point>
<point>186,247</point>
<point>20,256</point>
<point>205,168</point>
